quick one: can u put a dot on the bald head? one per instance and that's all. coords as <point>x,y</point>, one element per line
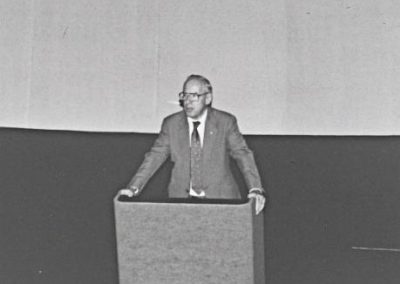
<point>203,83</point>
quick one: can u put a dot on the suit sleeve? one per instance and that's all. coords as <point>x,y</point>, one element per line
<point>243,156</point>
<point>157,155</point>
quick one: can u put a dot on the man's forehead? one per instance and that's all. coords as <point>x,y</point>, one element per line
<point>194,84</point>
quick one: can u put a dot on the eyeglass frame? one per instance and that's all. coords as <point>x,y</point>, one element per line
<point>194,96</point>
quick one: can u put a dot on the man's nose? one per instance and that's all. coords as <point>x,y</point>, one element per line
<point>187,102</point>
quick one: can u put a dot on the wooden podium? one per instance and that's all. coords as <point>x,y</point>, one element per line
<point>186,241</point>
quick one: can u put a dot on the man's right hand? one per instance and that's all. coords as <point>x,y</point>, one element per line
<point>130,192</point>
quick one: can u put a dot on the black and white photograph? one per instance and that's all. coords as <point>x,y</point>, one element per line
<point>199,142</point>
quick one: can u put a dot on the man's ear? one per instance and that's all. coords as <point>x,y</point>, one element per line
<point>209,98</point>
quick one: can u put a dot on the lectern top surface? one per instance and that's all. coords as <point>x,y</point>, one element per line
<point>183,200</point>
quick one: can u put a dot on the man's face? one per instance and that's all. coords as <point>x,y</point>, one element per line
<point>193,107</point>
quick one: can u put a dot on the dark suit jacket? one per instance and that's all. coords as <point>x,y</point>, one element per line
<point>222,140</point>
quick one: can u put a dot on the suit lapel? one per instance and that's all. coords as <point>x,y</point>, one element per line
<point>210,134</point>
<point>183,136</point>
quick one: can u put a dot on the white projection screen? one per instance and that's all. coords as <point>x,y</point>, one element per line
<point>314,67</point>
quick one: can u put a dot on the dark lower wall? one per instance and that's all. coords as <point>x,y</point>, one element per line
<point>327,195</point>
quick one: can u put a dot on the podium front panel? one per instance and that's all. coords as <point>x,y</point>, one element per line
<point>180,242</point>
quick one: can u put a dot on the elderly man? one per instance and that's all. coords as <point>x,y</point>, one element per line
<point>200,139</point>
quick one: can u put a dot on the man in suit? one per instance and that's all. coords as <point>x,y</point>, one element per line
<point>200,141</point>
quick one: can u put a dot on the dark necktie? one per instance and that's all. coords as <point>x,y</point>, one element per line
<point>195,159</point>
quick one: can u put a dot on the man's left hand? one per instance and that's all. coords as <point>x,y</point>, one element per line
<point>259,199</point>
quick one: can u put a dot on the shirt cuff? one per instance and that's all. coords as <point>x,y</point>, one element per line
<point>257,190</point>
<point>134,189</point>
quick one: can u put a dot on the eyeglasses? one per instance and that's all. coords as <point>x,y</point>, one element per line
<point>193,97</point>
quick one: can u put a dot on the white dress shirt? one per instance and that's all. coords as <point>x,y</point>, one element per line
<point>200,128</point>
